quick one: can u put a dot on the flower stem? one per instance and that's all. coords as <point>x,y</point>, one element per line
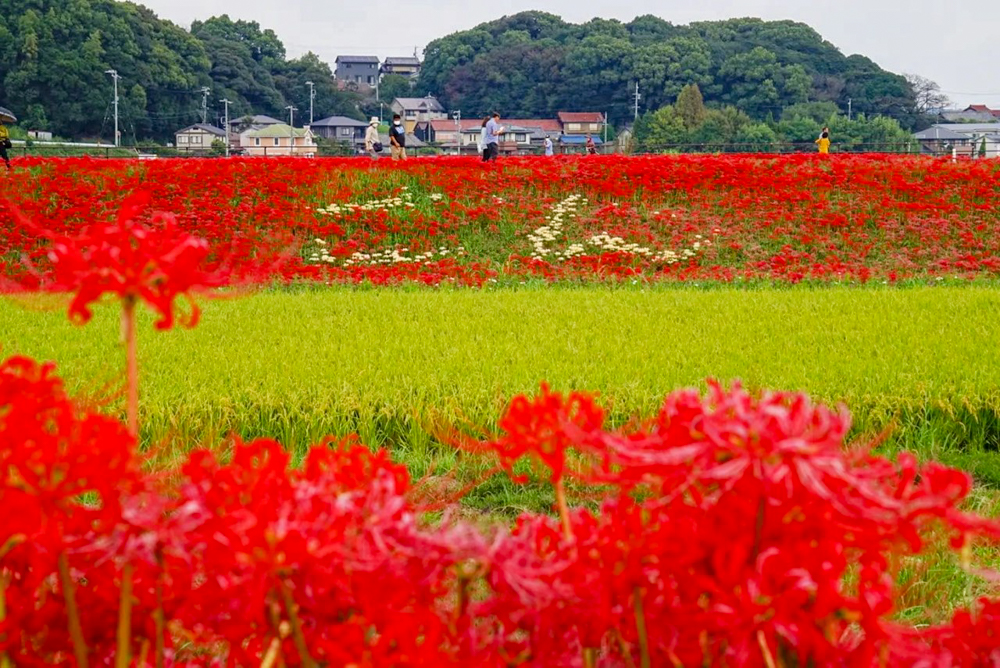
<point>765,651</point>
<point>132,353</point>
<point>563,509</point>
<point>640,627</point>
<point>4,659</point>
<point>72,613</point>
<point>122,653</point>
<point>297,635</point>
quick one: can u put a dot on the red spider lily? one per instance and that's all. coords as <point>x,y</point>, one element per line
<point>734,529</point>
<point>544,426</point>
<point>155,263</point>
<point>853,218</point>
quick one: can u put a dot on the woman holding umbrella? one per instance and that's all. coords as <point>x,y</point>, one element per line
<point>5,117</point>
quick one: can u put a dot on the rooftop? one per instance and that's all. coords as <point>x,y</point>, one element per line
<point>357,59</point>
<point>279,130</point>
<point>205,127</point>
<point>938,132</point>
<point>405,60</point>
<point>970,127</point>
<point>339,121</point>
<point>581,117</point>
<point>254,120</point>
<point>577,139</point>
<point>420,103</point>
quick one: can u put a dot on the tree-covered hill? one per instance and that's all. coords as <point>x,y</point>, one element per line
<point>534,64</point>
<point>54,55</point>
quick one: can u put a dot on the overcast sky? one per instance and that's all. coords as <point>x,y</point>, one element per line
<point>955,43</point>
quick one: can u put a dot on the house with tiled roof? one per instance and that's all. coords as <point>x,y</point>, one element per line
<point>418,110</point>
<point>279,140</point>
<point>408,67</point>
<point>581,122</point>
<point>358,70</point>
<point>198,137</point>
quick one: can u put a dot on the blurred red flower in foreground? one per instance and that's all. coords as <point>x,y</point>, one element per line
<point>732,529</point>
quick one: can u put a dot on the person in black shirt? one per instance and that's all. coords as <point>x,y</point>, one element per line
<point>397,138</point>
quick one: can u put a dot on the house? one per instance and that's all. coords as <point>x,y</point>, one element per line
<point>406,67</point>
<point>412,143</point>
<point>975,135</point>
<point>417,110</point>
<point>238,126</point>
<point>251,122</point>
<point>974,113</point>
<point>341,128</point>
<point>577,143</point>
<point>938,140</point>
<point>279,140</point>
<point>198,137</point>
<point>442,131</point>
<point>581,122</point>
<point>362,71</point>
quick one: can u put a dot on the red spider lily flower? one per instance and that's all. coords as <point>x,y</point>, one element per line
<point>544,427</point>
<point>155,263</point>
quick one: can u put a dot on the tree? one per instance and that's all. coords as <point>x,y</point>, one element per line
<point>927,95</point>
<point>691,107</point>
<point>756,136</point>
<point>657,129</point>
<point>393,86</point>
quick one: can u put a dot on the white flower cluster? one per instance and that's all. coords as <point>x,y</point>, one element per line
<point>402,201</point>
<point>547,235</point>
<point>673,257</point>
<point>389,256</point>
<point>553,230</point>
<point>394,255</point>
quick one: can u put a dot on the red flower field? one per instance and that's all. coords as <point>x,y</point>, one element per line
<point>718,218</point>
<point>730,528</point>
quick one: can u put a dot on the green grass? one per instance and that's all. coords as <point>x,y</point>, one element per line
<point>393,365</point>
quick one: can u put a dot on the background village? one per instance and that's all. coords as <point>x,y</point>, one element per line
<point>431,129</point>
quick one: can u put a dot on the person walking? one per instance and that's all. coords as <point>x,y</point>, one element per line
<point>397,138</point>
<point>591,147</point>
<point>493,132</point>
<point>548,146</point>
<point>5,143</point>
<point>482,139</point>
<point>824,141</point>
<point>372,143</point>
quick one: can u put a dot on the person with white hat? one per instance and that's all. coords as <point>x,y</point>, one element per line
<point>372,143</point>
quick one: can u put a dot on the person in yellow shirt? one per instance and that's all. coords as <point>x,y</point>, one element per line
<point>4,143</point>
<point>824,141</point>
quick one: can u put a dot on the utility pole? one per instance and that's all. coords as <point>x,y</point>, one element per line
<point>457,115</point>
<point>849,108</point>
<point>291,122</point>
<point>226,126</point>
<point>312,97</point>
<point>204,104</point>
<point>114,75</point>
<point>605,129</point>
<point>637,96</point>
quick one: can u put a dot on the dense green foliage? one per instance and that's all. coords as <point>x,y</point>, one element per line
<point>399,366</point>
<point>535,64</point>
<point>53,58</point>
<point>688,124</point>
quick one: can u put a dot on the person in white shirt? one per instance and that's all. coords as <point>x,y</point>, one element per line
<point>482,138</point>
<point>548,146</point>
<point>371,138</point>
<point>493,132</point>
